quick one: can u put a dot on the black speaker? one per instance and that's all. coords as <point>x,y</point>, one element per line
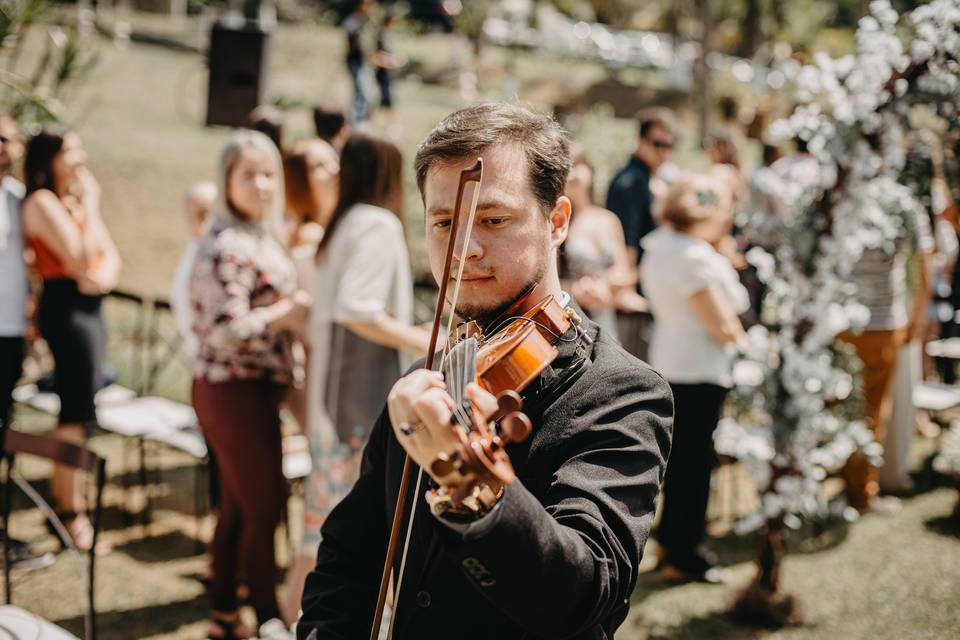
<point>238,62</point>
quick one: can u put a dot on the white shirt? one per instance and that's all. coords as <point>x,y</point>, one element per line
<point>13,269</point>
<point>364,271</point>
<point>180,297</point>
<point>676,266</point>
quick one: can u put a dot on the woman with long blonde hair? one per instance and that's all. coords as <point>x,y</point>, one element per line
<point>248,308</point>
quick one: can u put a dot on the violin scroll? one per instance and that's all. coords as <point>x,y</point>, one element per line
<point>481,459</point>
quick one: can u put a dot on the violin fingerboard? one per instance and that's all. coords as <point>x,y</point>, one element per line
<point>460,369</point>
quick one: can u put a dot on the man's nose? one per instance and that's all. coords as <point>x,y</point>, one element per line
<point>474,249</point>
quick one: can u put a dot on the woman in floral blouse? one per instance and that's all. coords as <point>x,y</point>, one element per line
<point>247,306</point>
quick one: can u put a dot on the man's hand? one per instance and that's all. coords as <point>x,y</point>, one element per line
<point>420,411</point>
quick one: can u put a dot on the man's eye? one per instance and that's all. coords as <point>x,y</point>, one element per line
<point>441,224</point>
<point>494,221</point>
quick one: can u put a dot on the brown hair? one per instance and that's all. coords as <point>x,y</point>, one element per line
<point>371,172</point>
<point>328,121</point>
<point>721,140</point>
<point>652,117</point>
<point>578,156</point>
<point>41,151</point>
<point>469,131</point>
<point>297,186</point>
<point>268,120</point>
<point>692,200</point>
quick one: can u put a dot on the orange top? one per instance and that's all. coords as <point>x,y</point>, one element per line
<point>46,262</point>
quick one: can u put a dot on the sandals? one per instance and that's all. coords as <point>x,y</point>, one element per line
<point>82,538</point>
<point>66,518</point>
<point>228,629</point>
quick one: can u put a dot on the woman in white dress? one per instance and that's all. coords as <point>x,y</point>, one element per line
<point>361,328</point>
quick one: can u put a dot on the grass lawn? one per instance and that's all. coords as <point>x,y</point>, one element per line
<point>140,117</point>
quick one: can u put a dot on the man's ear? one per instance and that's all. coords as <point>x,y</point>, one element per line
<point>560,220</point>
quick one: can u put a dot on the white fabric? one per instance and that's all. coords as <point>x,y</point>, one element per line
<point>305,262</point>
<point>180,297</point>
<point>13,283</point>
<point>364,271</point>
<point>676,266</point>
<point>895,472</point>
<point>23,625</point>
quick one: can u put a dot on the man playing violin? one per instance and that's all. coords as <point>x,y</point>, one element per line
<point>555,551</point>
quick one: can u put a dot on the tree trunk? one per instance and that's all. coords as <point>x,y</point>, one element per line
<point>750,36</point>
<point>702,70</point>
<point>770,556</point>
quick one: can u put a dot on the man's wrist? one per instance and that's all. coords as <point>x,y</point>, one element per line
<point>473,507</point>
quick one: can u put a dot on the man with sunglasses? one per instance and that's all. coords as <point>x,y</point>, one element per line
<point>629,195</point>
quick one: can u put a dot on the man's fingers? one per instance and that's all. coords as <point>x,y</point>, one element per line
<point>482,399</point>
<point>408,389</point>
<point>433,407</point>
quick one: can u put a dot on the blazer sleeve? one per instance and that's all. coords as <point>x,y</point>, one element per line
<point>561,566</point>
<point>340,594</point>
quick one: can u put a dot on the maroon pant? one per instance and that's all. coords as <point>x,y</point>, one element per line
<point>241,421</point>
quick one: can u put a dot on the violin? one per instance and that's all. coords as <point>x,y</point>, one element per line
<point>514,355</point>
<point>503,359</point>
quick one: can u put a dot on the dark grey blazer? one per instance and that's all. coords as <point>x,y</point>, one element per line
<point>558,558</point>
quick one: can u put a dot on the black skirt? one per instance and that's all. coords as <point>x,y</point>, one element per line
<point>72,325</point>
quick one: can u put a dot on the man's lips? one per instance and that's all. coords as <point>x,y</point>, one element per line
<point>473,277</point>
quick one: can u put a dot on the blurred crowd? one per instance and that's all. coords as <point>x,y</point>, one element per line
<point>295,292</point>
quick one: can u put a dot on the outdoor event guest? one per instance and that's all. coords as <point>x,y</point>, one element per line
<point>79,263</point>
<point>360,326</point>
<point>695,295</point>
<point>247,306</point>
<point>198,201</point>
<point>726,164</point>
<point>353,26</point>
<point>310,174</point>
<point>629,195</point>
<point>556,552</point>
<point>13,284</point>
<point>311,171</point>
<point>331,125</point>
<point>881,279</point>
<point>14,290</point>
<point>920,173</point>
<point>386,62</point>
<point>594,260</point>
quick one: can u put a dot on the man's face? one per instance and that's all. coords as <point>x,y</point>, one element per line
<point>655,147</point>
<point>512,244</point>
<point>11,144</point>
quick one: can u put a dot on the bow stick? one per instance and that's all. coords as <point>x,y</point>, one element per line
<point>473,174</point>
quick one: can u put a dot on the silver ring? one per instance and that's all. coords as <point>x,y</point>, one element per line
<point>408,429</point>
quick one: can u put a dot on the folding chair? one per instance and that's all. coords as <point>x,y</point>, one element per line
<point>66,454</point>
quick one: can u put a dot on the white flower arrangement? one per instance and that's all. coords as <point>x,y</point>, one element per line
<point>810,223</point>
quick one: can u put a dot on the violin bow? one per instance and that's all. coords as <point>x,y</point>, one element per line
<point>473,174</point>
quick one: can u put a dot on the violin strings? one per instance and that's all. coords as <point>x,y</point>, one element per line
<point>463,346</point>
<point>558,336</point>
